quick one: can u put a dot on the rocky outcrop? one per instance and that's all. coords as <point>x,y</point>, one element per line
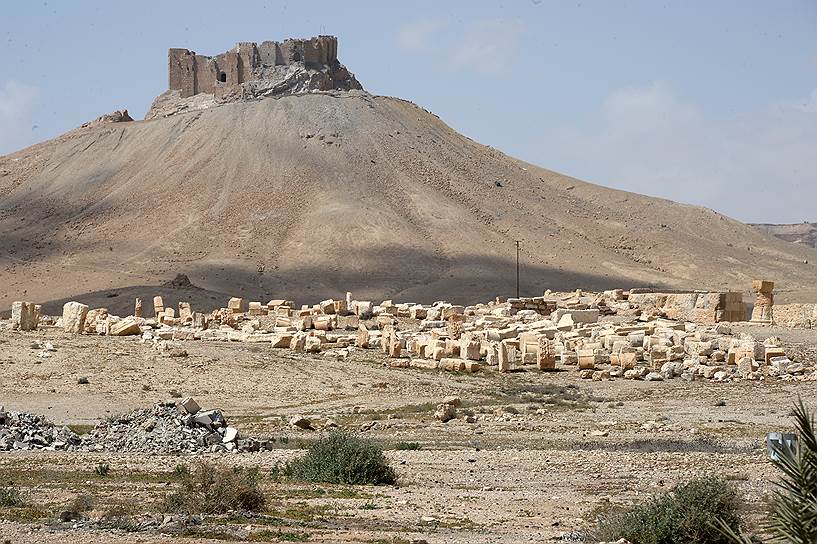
<point>798,233</point>
<point>118,116</point>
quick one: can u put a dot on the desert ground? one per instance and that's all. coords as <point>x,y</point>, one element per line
<point>546,453</point>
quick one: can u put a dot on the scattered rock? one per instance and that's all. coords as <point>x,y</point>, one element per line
<point>300,422</point>
<point>445,412</point>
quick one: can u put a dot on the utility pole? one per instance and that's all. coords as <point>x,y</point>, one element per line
<point>517,268</point>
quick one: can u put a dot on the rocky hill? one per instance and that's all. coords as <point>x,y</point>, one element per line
<point>307,196</point>
<point>799,233</point>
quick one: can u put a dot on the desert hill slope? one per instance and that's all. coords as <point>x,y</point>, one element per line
<point>798,233</point>
<point>307,196</point>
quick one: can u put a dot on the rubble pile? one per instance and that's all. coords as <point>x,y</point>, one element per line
<point>24,431</point>
<point>636,334</point>
<point>168,428</point>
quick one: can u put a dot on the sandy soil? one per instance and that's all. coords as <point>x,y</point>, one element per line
<point>527,470</point>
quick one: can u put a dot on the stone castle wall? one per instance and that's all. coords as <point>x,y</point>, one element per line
<point>191,74</point>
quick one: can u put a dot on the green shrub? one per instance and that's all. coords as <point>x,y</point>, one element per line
<point>213,489</point>
<point>102,469</point>
<point>10,497</point>
<point>340,458</point>
<point>794,506</point>
<point>181,470</point>
<point>407,446</point>
<point>686,515</point>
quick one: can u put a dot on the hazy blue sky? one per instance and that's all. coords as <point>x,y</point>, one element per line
<point>707,102</point>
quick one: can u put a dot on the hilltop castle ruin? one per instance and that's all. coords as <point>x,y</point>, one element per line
<point>251,70</point>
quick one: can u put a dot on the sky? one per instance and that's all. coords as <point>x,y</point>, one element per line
<point>706,102</point>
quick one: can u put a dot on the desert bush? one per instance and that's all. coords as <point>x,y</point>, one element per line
<point>341,458</point>
<point>686,515</point>
<point>10,497</point>
<point>214,489</point>
<point>81,503</point>
<point>408,446</point>
<point>181,471</point>
<point>102,469</point>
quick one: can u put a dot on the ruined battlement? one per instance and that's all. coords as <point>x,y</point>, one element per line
<point>223,74</point>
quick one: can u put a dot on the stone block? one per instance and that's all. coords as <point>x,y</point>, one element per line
<point>762,286</point>
<point>158,306</point>
<point>298,342</point>
<point>546,354</point>
<point>125,327</point>
<point>506,357</point>
<point>237,305</point>
<point>587,359</point>
<point>470,347</point>
<point>772,352</point>
<point>185,313</point>
<point>364,309</point>
<point>24,316</point>
<point>327,306</point>
<point>73,317</point>
<point>190,405</point>
<point>281,340</point>
<point>312,344</point>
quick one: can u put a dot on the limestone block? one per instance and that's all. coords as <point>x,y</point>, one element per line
<point>200,320</point>
<point>327,306</point>
<point>298,342</point>
<point>451,311</point>
<point>546,355</point>
<point>281,340</point>
<point>424,363</point>
<point>125,327</point>
<point>158,306</point>
<point>237,305</point>
<point>773,352</point>
<point>362,340</point>
<point>698,348</point>
<point>438,350</point>
<point>418,312</point>
<point>322,322</point>
<point>137,308</point>
<point>395,348</point>
<point>24,316</point>
<point>364,309</point>
<point>762,286</point>
<point>312,344</point>
<point>73,317</point>
<point>569,357</point>
<point>506,357</point>
<point>587,359</point>
<point>341,308</point>
<point>452,365</point>
<point>469,347</point>
<point>185,313</point>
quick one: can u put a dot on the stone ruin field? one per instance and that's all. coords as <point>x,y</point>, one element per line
<point>269,169</point>
<point>516,420</point>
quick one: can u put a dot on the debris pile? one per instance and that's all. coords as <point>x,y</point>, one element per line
<point>636,334</point>
<point>168,428</point>
<point>24,431</point>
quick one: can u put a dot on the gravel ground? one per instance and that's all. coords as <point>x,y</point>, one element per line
<point>529,469</point>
